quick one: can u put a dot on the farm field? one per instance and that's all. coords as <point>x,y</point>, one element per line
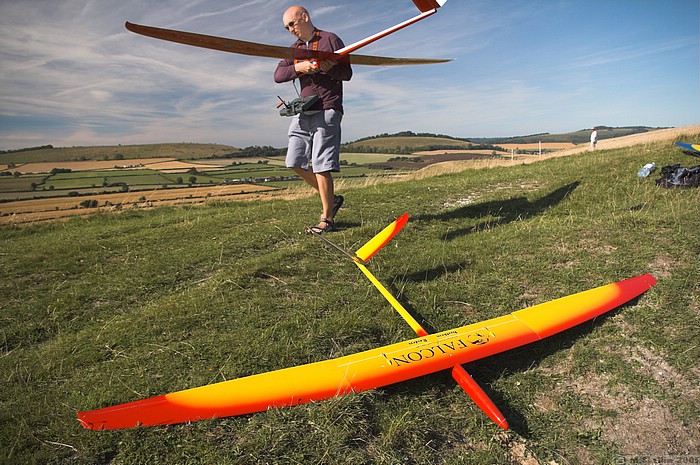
<point>88,181</point>
<point>28,211</point>
<point>120,153</point>
<point>365,158</point>
<point>41,191</point>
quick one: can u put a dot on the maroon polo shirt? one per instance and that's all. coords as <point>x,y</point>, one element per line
<point>328,86</point>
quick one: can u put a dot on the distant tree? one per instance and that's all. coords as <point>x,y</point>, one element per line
<point>258,151</point>
<point>90,203</point>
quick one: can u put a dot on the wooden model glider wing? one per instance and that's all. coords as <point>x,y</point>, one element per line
<point>370,369</point>
<point>241,47</point>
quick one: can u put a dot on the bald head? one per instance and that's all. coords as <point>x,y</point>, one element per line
<point>298,22</point>
<point>295,11</point>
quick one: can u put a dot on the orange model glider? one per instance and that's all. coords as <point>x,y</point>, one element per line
<point>378,367</point>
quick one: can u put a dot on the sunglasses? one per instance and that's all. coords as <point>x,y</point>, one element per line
<point>292,24</point>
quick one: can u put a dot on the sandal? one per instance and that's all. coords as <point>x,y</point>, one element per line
<point>329,227</point>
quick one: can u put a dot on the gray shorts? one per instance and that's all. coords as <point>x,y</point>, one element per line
<point>315,140</point>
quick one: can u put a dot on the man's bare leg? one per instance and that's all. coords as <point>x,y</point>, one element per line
<point>326,191</point>
<point>323,183</point>
<point>308,176</point>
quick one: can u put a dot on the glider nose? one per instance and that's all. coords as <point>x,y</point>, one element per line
<point>427,5</point>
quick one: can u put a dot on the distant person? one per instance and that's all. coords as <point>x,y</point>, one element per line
<point>594,138</point>
<point>313,151</point>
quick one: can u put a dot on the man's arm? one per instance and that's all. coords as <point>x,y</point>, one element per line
<point>285,71</point>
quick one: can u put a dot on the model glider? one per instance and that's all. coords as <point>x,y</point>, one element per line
<point>370,369</point>
<point>367,251</point>
<point>694,149</point>
<point>427,8</point>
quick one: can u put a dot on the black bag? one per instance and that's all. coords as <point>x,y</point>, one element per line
<point>677,176</point>
<point>298,105</point>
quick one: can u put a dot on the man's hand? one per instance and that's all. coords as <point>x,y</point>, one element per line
<point>307,67</point>
<point>312,67</point>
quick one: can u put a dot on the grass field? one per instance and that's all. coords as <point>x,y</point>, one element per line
<point>385,143</point>
<point>118,307</point>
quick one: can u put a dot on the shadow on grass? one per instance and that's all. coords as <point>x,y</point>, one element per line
<point>500,212</point>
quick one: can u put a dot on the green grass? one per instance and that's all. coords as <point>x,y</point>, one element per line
<point>19,184</point>
<point>365,158</point>
<point>118,307</point>
<point>384,143</point>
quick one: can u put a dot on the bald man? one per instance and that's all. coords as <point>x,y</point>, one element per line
<point>314,135</point>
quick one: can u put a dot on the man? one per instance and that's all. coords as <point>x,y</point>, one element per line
<point>594,138</point>
<point>314,136</point>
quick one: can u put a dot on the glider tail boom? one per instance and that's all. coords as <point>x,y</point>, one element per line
<point>463,378</point>
<point>361,43</point>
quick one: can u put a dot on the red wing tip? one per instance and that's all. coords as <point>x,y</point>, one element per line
<point>503,424</point>
<point>645,279</point>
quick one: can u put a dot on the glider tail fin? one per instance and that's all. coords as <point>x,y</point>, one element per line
<point>478,395</point>
<point>427,5</point>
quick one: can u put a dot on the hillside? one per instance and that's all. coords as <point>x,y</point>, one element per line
<point>404,143</point>
<point>117,307</point>
<point>576,137</point>
<point>182,151</point>
<point>32,192</point>
<point>407,141</point>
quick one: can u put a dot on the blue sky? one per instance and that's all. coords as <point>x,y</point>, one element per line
<point>71,74</point>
